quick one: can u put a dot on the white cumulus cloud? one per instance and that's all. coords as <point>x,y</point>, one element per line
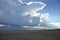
<point>57,24</point>
<point>22,13</point>
<point>21,1</point>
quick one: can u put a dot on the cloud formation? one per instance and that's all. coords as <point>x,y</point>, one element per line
<point>17,12</point>
<point>21,13</point>
<point>1,25</point>
<point>57,24</point>
<point>20,1</point>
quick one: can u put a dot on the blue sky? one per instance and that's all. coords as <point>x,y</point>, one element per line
<point>30,12</point>
<point>53,7</point>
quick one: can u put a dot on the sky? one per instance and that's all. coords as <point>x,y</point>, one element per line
<point>44,13</point>
<point>53,7</point>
